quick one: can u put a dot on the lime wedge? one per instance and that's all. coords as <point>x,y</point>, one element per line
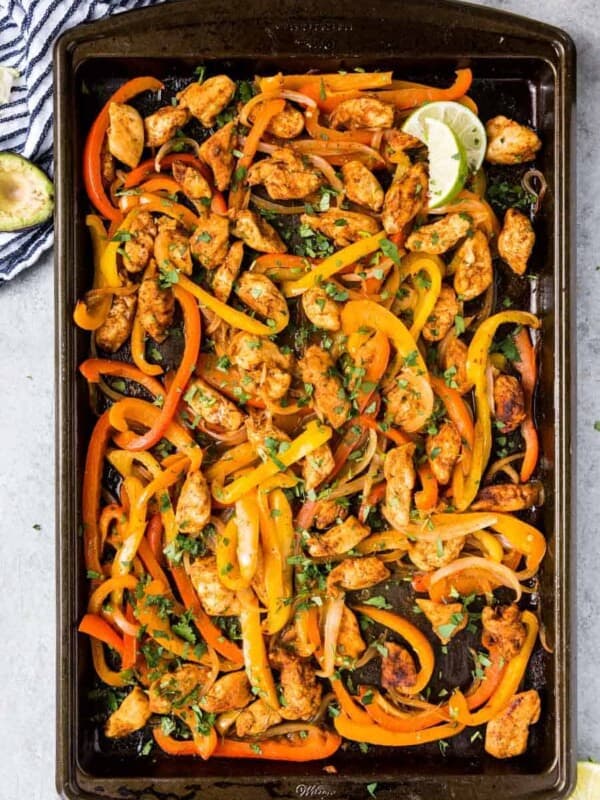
<point>447,163</point>
<point>466,125</point>
<point>588,781</point>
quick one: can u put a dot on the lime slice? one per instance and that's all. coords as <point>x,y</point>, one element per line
<point>466,125</point>
<point>447,163</point>
<point>588,781</point>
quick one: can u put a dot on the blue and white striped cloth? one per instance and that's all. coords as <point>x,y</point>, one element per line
<point>28,29</point>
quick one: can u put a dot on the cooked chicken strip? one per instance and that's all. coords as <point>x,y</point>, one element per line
<point>212,406</point>
<point>193,504</point>
<point>116,328</point>
<point>125,135</point>
<point>256,232</point>
<point>509,403</point>
<point>206,100</point>
<point>217,151</point>
<point>330,399</point>
<point>163,124</point>
<point>210,240</point>
<point>216,599</point>
<point>398,671</point>
<point>353,574</point>
<point>362,186</point>
<point>343,227</point>
<point>156,308</point>
<point>507,497</point>
<point>506,735</point>
<point>229,692</point>
<point>443,315</point>
<point>133,713</point>
<point>255,719</point>
<point>509,142</point>
<point>405,198</point>
<point>443,451</point>
<point>447,619</point>
<point>472,267</point>
<point>321,310</point>
<point>339,539</point>
<point>440,236</point>
<point>362,112</point>
<point>399,472</point>
<point>516,240</point>
<point>285,176</point>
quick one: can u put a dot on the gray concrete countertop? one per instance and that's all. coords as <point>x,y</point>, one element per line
<point>27,468</point>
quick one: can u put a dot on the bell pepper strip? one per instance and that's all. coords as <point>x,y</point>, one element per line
<point>92,169</point>
<point>372,733</point>
<point>89,316</point>
<point>233,317</point>
<point>107,587</point>
<point>334,263</point>
<point>191,322</point>
<point>282,266</point>
<point>132,409</point>
<point>108,262</point>
<point>476,207</point>
<point>508,685</point>
<point>136,525</point>
<point>496,574</point>
<point>481,692</point>
<point>406,722</point>
<point>160,183</point>
<point>375,496</point>
<point>154,536</point>
<point>130,642</point>
<point>427,498</point>
<point>148,201</point>
<point>477,359</point>
<point>238,457</point>
<point>412,264</point>
<point>138,349</point>
<point>204,743</point>
<point>246,518</point>
<point>93,368</point>
<point>489,545</point>
<point>91,492</point>
<point>418,642</point>
<point>370,353</point>
<point>212,635</point>
<point>150,561</point>
<point>385,540</point>
<point>228,566</point>
<point>255,654</point>
<point>351,439</point>
<point>314,435</point>
<point>334,81</point>
<point>524,538</point>
<point>349,707</point>
<point>394,435</point>
<point>276,543</point>
<point>527,368</point>
<point>306,515</point>
<point>340,152</point>
<point>306,624</point>
<point>325,134</point>
<point>466,582</point>
<point>159,628</point>
<point>94,625</point>
<point>416,96</point>
<point>263,116</point>
<point>358,314</point>
<point>460,416</point>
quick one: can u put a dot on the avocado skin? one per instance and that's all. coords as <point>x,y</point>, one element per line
<point>26,193</point>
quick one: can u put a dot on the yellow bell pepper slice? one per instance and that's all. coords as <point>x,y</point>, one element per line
<point>412,264</point>
<point>255,653</point>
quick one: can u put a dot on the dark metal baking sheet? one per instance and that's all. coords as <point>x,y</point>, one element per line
<point>522,68</point>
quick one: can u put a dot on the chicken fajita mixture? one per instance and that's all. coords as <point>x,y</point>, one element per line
<point>309,394</point>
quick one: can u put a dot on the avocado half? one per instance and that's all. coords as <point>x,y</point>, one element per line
<point>26,193</point>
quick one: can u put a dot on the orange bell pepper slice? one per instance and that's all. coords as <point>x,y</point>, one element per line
<point>92,171</point>
<point>416,96</point>
<point>527,368</point>
<point>95,626</point>
<point>427,498</point>
<point>371,353</point>
<point>333,81</point>
<point>91,492</point>
<point>137,342</point>
<point>371,733</point>
<point>460,416</point>
<point>192,329</point>
<point>93,368</point>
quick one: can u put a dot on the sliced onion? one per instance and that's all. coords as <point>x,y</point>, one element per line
<point>297,97</point>
<point>227,437</point>
<point>263,147</point>
<point>528,186</point>
<point>356,467</point>
<point>331,630</point>
<point>501,466</point>
<point>277,208</point>
<point>327,698</point>
<point>121,621</point>
<point>225,720</point>
<point>445,529</point>
<point>501,572</point>
<point>284,729</point>
<point>334,149</point>
<point>329,173</point>
<point>173,143</point>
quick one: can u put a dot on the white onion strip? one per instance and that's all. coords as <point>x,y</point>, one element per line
<point>501,572</point>
<point>331,630</point>
<point>169,146</point>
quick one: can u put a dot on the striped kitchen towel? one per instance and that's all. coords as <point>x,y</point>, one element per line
<point>28,29</point>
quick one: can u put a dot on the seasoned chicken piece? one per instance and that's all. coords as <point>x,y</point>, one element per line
<point>133,713</point>
<point>206,100</point>
<point>194,185</point>
<point>210,240</point>
<point>156,308</point>
<point>344,227</point>
<point>250,352</point>
<point>509,142</point>
<point>300,690</point>
<point>173,687</point>
<point>503,630</point>
<point>163,124</point>
<point>139,245</point>
<point>328,512</point>
<point>396,142</point>
<point>256,232</point>
<point>172,248</point>
<point>330,400</point>
<point>432,555</point>
<point>216,599</point>
<point>287,124</point>
<point>516,240</point>
<point>447,619</point>
<point>443,450</point>
<point>260,294</point>
<point>350,644</point>
<point>285,176</point>
<point>125,135</point>
<point>509,403</point>
<point>256,718</point>
<point>317,466</point>
<point>409,401</point>
<point>472,267</point>
<point>454,364</point>
<point>439,236</point>
<point>506,735</point>
<point>107,165</point>
<point>362,112</point>
<point>116,328</point>
<point>193,505</point>
<point>353,574</point>
<point>262,431</point>
<point>225,274</point>
<point>230,691</point>
<point>399,471</point>
<point>217,151</point>
<point>321,310</point>
<point>443,315</point>
<point>509,497</point>
<point>405,198</point>
<point>362,186</point>
<point>339,539</point>
<point>212,406</point>
<point>398,671</point>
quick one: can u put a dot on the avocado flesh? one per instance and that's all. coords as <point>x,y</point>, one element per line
<point>26,194</point>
